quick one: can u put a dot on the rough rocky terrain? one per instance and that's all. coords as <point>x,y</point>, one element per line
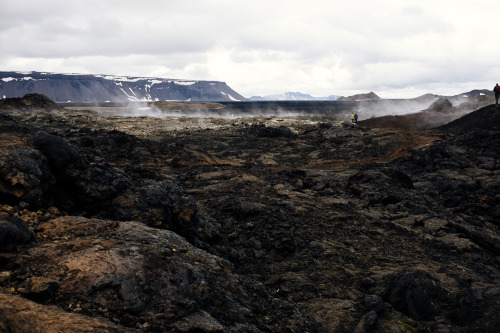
<point>263,224</point>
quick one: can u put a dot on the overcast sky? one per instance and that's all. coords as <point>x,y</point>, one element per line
<point>396,49</point>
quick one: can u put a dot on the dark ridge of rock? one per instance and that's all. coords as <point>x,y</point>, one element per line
<point>28,102</point>
<point>486,118</point>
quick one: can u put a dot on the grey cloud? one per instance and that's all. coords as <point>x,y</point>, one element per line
<point>258,45</point>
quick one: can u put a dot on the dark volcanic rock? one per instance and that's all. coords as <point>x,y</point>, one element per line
<point>28,102</point>
<point>58,153</point>
<point>374,302</point>
<point>164,205</point>
<point>14,231</point>
<point>270,132</point>
<point>24,175</point>
<point>417,294</point>
<point>387,187</point>
<point>148,276</point>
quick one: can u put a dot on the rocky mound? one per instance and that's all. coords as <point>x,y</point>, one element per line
<point>486,118</point>
<point>360,97</point>
<point>246,225</point>
<point>28,102</point>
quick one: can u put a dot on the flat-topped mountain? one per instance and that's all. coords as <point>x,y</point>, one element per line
<point>80,88</point>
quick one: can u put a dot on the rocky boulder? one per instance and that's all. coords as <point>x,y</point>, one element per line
<point>24,175</point>
<point>441,105</point>
<point>146,279</point>
<point>13,232</point>
<point>417,294</point>
<point>58,152</point>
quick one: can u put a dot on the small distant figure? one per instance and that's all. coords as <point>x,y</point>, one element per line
<point>352,117</point>
<point>356,117</point>
<point>497,93</point>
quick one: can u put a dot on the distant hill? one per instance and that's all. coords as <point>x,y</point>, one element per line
<point>108,88</point>
<point>359,97</point>
<point>293,96</point>
<point>460,98</point>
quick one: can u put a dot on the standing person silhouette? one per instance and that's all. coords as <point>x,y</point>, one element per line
<point>496,90</point>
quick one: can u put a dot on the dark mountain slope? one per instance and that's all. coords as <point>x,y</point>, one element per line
<point>485,118</point>
<point>79,88</point>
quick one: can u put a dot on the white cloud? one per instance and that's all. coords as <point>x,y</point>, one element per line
<point>400,49</point>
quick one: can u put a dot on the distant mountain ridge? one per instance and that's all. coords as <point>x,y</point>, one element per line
<point>476,93</point>
<point>371,96</point>
<point>110,88</point>
<point>293,96</point>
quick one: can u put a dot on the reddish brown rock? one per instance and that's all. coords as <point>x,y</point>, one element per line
<point>18,314</point>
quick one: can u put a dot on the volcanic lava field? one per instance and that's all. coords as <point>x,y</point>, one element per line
<point>113,223</point>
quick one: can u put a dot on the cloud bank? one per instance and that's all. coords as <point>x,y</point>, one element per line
<point>396,49</point>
